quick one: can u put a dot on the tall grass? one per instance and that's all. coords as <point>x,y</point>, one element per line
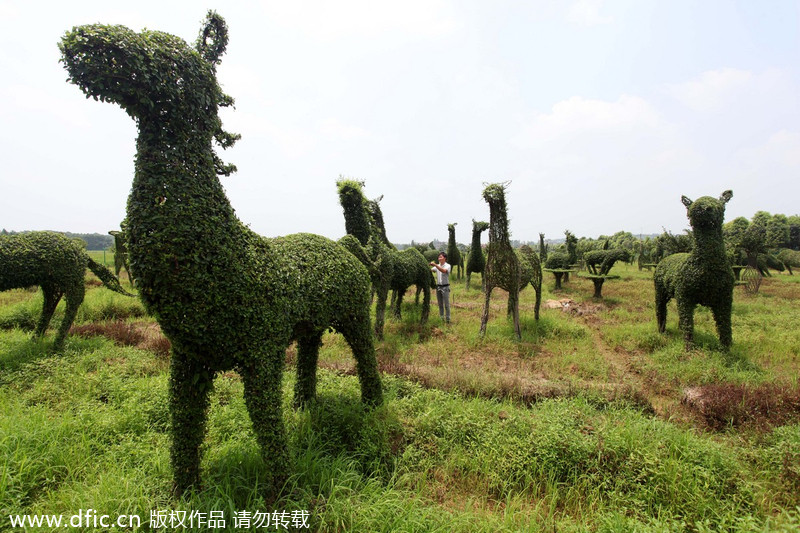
<point>578,427</point>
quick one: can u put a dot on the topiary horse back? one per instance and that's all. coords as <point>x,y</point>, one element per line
<point>58,265</point>
<point>226,297</point>
<point>703,276</point>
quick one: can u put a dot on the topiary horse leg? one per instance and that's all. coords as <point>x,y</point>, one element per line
<point>74,298</point>
<point>189,387</point>
<point>357,335</point>
<point>513,309</point>
<point>263,397</point>
<point>51,299</point>
<point>380,310</point>
<point>485,315</point>
<point>722,317</point>
<point>398,302</point>
<point>686,322</point>
<point>661,309</point>
<point>426,304</point>
<point>307,355</point>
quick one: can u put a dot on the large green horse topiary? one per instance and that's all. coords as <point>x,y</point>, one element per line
<point>58,265</point>
<point>703,276</point>
<point>226,297</point>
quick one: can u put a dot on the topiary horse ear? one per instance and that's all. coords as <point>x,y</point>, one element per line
<point>213,38</point>
<point>726,196</point>
<point>686,201</point>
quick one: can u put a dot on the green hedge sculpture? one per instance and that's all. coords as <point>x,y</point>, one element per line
<point>58,265</point>
<point>226,297</point>
<point>700,277</point>
<point>507,268</point>
<point>453,253</point>
<point>390,269</point>
<point>476,261</point>
<point>600,262</point>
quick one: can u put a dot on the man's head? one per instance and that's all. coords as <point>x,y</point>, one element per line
<point>442,257</point>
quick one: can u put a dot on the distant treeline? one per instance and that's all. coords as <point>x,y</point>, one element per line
<point>94,241</point>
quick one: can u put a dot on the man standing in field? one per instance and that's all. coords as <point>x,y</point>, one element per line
<point>442,286</point>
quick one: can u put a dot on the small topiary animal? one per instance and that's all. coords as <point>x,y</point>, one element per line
<point>58,265</point>
<point>453,253</point>
<point>225,297</point>
<point>476,262</point>
<point>703,276</point>
<point>600,262</point>
<point>121,252</point>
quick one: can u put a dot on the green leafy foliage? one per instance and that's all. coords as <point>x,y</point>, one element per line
<point>703,276</point>
<point>389,268</point>
<point>600,262</point>
<point>58,265</point>
<point>453,253</point>
<point>476,262</point>
<point>225,297</point>
<point>507,268</point>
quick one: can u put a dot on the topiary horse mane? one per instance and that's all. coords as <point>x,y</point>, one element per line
<point>226,297</point>
<point>703,276</point>
<point>476,262</point>
<point>58,265</point>
<point>507,268</point>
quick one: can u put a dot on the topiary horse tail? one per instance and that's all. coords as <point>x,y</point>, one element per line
<point>106,276</point>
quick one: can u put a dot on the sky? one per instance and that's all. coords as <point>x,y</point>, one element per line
<point>599,114</point>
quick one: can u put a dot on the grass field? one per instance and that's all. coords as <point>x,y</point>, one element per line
<point>592,422</point>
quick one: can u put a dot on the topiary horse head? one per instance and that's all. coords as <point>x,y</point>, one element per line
<point>703,276</point>
<point>226,297</point>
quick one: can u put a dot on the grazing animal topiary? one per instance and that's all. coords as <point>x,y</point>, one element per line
<point>476,261</point>
<point>507,268</point>
<point>702,276</point>
<point>225,297</point>
<point>600,262</point>
<point>58,265</point>
<point>453,253</point>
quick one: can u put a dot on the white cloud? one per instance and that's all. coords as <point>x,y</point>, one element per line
<point>587,13</point>
<point>713,90</point>
<point>333,128</point>
<point>782,149</point>
<point>581,117</point>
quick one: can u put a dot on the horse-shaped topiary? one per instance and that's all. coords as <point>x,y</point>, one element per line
<point>453,253</point>
<point>476,261</point>
<point>58,265</point>
<point>226,297</point>
<point>390,269</point>
<point>702,276</point>
<point>507,268</point>
<point>121,252</point>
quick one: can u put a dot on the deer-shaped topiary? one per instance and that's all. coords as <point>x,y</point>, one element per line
<point>225,297</point>
<point>507,268</point>
<point>58,265</point>
<point>702,276</point>
<point>453,253</point>
<point>476,261</point>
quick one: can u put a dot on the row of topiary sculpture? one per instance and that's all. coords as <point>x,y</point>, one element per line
<point>228,298</point>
